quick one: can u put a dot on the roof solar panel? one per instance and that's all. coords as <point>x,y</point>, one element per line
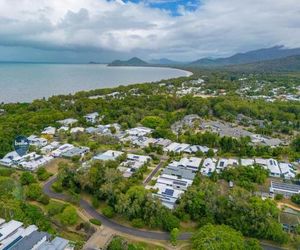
<point>169,192</point>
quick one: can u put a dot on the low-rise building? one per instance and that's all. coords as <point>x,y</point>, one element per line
<point>37,141</point>
<point>76,151</point>
<point>209,166</point>
<point>13,236</point>
<point>92,118</point>
<point>68,122</point>
<point>285,189</point>
<point>110,155</point>
<point>49,131</point>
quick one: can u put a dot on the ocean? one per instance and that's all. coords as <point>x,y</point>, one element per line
<point>24,82</point>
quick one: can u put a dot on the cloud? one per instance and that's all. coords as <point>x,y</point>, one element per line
<point>212,28</point>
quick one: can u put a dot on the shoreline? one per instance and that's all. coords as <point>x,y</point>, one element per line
<point>18,94</point>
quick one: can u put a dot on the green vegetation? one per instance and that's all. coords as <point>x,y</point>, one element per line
<point>95,222</point>
<point>212,237</point>
<point>296,199</point>
<point>252,216</point>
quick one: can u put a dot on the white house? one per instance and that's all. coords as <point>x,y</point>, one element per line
<point>247,162</point>
<point>110,155</point>
<point>208,166</point>
<point>269,164</point>
<point>139,131</point>
<point>76,130</point>
<point>92,118</point>
<point>37,141</point>
<point>287,170</point>
<point>49,131</point>
<point>176,147</point>
<point>68,122</point>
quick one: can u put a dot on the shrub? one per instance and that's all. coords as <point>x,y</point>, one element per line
<point>108,212</point>
<point>138,223</point>
<point>95,222</point>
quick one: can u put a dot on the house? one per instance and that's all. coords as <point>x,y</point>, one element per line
<point>110,155</point>
<point>63,129</point>
<point>31,241</point>
<point>132,164</point>
<point>287,170</point>
<point>175,179</point>
<point>61,149</point>
<point>13,236</point>
<point>57,243</point>
<point>76,130</point>
<point>68,122</point>
<point>37,142</point>
<point>196,148</point>
<point>92,118</point>
<point>33,161</point>
<point>247,162</point>
<point>269,164</point>
<point>10,159</point>
<point>75,151</point>
<point>208,166</point>
<point>162,142</point>
<point>176,147</point>
<point>285,189</point>
<point>12,239</point>
<point>9,228</point>
<point>139,131</point>
<point>222,164</point>
<point>191,163</point>
<point>49,148</point>
<point>49,131</point>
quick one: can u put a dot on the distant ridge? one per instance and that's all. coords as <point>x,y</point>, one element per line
<point>165,61</point>
<point>286,64</point>
<point>135,61</point>
<point>248,57</point>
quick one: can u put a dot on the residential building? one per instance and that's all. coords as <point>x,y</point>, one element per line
<point>208,166</point>
<point>49,131</point>
<point>68,122</point>
<point>110,155</point>
<point>37,141</point>
<point>92,118</point>
<point>285,189</point>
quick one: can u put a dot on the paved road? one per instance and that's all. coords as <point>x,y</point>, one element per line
<point>121,228</point>
<point>150,176</point>
<point>109,223</point>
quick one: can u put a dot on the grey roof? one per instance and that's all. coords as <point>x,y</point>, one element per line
<point>56,244</point>
<point>29,241</point>
<point>181,172</point>
<point>285,186</point>
<point>75,152</point>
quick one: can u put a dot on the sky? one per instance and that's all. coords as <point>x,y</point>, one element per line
<point>104,30</point>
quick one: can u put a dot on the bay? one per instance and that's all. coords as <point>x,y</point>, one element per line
<point>24,82</point>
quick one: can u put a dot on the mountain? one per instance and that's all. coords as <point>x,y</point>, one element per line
<point>248,57</point>
<point>286,64</point>
<point>131,62</point>
<point>165,61</point>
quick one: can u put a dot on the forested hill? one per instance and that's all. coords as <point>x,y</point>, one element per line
<point>276,52</point>
<point>287,64</point>
<point>131,62</point>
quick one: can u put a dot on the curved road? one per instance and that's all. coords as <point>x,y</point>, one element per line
<point>110,223</point>
<point>121,228</point>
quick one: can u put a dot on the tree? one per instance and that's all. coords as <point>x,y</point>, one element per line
<point>27,178</point>
<point>153,122</point>
<point>34,191</point>
<point>296,198</point>
<point>69,216</point>
<point>174,236</point>
<point>211,237</point>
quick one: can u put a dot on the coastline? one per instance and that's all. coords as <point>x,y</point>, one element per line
<point>49,79</point>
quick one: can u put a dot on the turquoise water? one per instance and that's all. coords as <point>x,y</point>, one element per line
<point>25,82</point>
